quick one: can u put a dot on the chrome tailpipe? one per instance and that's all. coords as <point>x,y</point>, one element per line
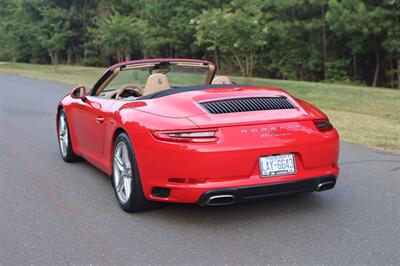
<point>325,185</point>
<point>220,200</point>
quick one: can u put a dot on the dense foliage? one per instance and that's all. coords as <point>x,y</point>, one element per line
<point>337,40</point>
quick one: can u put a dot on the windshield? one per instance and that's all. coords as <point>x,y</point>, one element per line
<point>177,76</point>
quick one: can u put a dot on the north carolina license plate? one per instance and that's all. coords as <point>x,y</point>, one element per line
<point>275,165</point>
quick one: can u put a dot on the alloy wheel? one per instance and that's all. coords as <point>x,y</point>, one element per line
<point>63,134</point>
<point>122,172</point>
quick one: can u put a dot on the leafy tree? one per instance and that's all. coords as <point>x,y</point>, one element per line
<point>122,34</point>
<point>10,41</point>
<point>233,30</point>
<point>19,39</point>
<point>391,43</point>
<point>358,22</point>
<point>53,31</point>
<point>291,39</point>
<point>296,40</point>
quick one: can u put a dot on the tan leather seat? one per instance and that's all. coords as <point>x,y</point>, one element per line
<point>156,82</point>
<point>221,80</point>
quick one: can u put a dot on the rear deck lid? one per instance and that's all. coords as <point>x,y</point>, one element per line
<point>237,104</point>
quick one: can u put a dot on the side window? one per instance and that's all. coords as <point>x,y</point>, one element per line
<point>133,77</point>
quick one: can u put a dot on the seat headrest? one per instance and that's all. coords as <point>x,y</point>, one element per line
<point>221,80</point>
<point>156,82</point>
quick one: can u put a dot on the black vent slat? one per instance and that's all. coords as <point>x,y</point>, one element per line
<point>286,104</point>
<point>276,103</point>
<point>267,104</point>
<point>219,108</point>
<point>226,107</point>
<point>234,105</point>
<point>211,109</point>
<point>273,104</point>
<point>253,103</point>
<point>258,104</point>
<point>281,106</point>
<point>247,106</point>
<point>253,106</point>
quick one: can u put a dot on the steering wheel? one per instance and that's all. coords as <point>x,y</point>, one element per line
<point>127,91</point>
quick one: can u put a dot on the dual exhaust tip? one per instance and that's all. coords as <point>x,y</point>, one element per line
<point>220,200</point>
<point>325,185</point>
<point>228,199</point>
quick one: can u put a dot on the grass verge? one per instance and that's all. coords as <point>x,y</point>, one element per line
<point>362,115</point>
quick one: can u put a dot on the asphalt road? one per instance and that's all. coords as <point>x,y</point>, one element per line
<point>57,213</point>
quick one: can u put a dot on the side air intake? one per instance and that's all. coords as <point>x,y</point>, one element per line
<point>235,105</point>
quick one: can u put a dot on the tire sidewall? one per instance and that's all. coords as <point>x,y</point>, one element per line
<point>70,155</point>
<point>136,200</point>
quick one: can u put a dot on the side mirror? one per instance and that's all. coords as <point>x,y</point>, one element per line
<point>79,93</point>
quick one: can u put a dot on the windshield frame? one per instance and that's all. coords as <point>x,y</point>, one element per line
<point>113,71</point>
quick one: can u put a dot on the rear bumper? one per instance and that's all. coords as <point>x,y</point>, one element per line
<point>241,194</point>
<point>232,161</point>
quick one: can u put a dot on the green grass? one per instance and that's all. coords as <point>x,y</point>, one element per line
<point>363,115</point>
<point>71,75</point>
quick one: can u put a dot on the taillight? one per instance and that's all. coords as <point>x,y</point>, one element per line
<point>196,136</point>
<point>187,180</point>
<point>323,125</point>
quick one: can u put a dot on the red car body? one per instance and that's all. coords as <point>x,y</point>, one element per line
<point>192,171</point>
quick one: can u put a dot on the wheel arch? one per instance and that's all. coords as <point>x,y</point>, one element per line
<point>116,133</point>
<point>59,108</point>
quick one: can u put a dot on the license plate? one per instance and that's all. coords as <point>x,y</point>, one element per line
<point>275,165</point>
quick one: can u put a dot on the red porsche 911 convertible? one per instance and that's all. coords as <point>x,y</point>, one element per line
<point>170,130</point>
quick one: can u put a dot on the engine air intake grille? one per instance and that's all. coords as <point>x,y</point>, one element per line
<point>234,105</point>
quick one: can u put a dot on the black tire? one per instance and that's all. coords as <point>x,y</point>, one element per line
<point>136,201</point>
<point>69,155</point>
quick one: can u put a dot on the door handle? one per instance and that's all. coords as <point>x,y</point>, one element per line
<point>99,120</point>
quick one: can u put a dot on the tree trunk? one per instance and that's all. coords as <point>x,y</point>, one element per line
<point>355,66</point>
<point>216,57</point>
<point>391,71</point>
<point>324,43</point>
<point>375,82</point>
<point>252,63</point>
<point>69,56</point>
<point>242,69</point>
<point>246,66</point>
<point>398,70</point>
<point>78,57</point>
<point>54,59</point>
<point>127,55</point>
<point>13,58</point>
<point>56,62</point>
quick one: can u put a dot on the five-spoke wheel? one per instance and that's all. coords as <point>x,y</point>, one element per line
<point>122,172</point>
<point>126,178</point>
<point>63,134</point>
<point>64,139</point>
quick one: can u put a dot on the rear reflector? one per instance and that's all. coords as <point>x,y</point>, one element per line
<point>323,125</point>
<point>161,192</point>
<point>187,180</point>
